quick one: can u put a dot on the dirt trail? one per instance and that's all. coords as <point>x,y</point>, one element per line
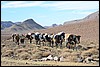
<point>12,62</point>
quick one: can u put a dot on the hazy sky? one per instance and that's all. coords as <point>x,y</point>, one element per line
<point>47,13</point>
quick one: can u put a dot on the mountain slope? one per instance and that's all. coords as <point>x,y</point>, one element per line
<point>87,27</point>
<point>6,24</point>
<point>31,24</point>
<point>26,25</point>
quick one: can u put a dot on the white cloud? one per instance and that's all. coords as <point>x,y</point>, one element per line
<point>57,5</point>
<point>73,5</point>
<point>82,12</point>
<point>16,4</point>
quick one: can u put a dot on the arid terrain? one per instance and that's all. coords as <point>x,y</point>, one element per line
<point>24,54</point>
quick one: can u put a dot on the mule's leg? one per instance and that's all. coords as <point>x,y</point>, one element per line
<point>76,47</point>
<point>52,44</point>
<point>68,45</point>
<point>13,38</point>
<point>39,42</point>
<point>36,42</point>
<point>43,43</point>
<point>56,44</point>
<point>49,44</point>
<point>61,44</point>
<point>73,45</point>
<point>30,40</point>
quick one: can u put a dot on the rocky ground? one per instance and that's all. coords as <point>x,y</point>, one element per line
<point>28,52</point>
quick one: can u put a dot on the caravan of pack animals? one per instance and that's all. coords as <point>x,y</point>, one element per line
<point>53,39</point>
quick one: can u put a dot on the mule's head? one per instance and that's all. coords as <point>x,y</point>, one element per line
<point>78,39</point>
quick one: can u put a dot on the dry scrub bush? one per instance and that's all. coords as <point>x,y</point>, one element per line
<point>95,56</point>
<point>41,49</point>
<point>46,48</point>
<point>94,51</point>
<point>37,55</point>
<point>75,53</point>
<point>8,53</point>
<point>45,54</point>
<point>21,50</point>
<point>34,51</point>
<point>4,49</point>
<point>90,52</point>
<point>65,54</point>
<point>71,59</point>
<point>24,56</point>
<point>30,46</point>
<point>67,50</point>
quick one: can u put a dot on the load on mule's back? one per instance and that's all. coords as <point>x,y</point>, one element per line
<point>29,36</point>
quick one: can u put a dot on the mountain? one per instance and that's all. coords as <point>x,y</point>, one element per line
<point>53,25</point>
<point>90,17</point>
<point>6,24</point>
<point>18,22</point>
<point>72,21</point>
<point>24,26</point>
<point>31,24</point>
<point>87,27</point>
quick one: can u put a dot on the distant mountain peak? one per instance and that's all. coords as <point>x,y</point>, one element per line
<point>29,20</point>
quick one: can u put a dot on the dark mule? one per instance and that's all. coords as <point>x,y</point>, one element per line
<point>49,39</point>
<point>13,36</point>
<point>17,38</point>
<point>59,39</point>
<point>22,38</point>
<point>29,37</point>
<point>72,41</point>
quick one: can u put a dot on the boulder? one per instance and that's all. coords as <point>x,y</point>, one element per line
<point>55,58</point>
<point>50,57</point>
<point>61,58</point>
